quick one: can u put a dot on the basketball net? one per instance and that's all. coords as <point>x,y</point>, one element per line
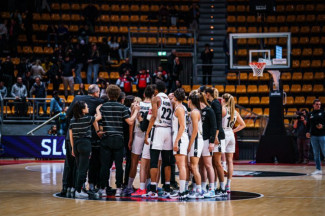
<point>276,77</point>
<point>258,68</point>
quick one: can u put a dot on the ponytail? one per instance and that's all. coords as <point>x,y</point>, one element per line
<point>77,109</point>
<point>203,99</point>
<point>213,92</point>
<point>230,103</point>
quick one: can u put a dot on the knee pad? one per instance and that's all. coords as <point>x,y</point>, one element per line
<point>166,158</point>
<point>154,157</point>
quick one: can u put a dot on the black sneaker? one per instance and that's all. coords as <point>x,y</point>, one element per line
<point>63,192</point>
<point>174,186</point>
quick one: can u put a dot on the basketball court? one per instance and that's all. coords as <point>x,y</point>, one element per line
<point>29,189</point>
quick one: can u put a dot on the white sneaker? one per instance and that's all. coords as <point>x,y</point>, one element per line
<point>82,194</point>
<point>150,194</point>
<point>317,172</point>
<point>165,195</point>
<point>102,193</point>
<point>118,192</point>
<point>209,194</point>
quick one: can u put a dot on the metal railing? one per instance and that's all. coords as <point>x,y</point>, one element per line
<point>42,125</point>
<point>33,108</point>
<point>214,66</point>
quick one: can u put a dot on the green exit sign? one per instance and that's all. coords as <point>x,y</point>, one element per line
<point>162,53</point>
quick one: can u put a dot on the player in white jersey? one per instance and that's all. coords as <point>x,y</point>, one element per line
<point>196,144</point>
<point>136,141</point>
<point>229,118</point>
<point>160,138</point>
<point>180,140</point>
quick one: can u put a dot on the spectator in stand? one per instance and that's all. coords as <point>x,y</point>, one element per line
<point>3,90</point>
<point>22,67</point>
<point>163,14</point>
<point>3,35</point>
<point>63,33</point>
<point>7,72</point>
<point>13,32</point>
<point>316,131</point>
<point>37,70</point>
<point>28,25</point>
<point>175,73</point>
<point>81,53</point>
<point>82,90</point>
<point>114,46</point>
<point>46,65</point>
<point>126,66</point>
<point>56,106</point>
<point>302,141</point>
<point>90,13</point>
<point>55,74</point>
<point>103,84</point>
<point>53,131</point>
<point>160,75</point>
<point>104,53</point>
<point>93,64</point>
<point>124,47</point>
<point>125,82</point>
<point>206,57</point>
<point>83,34</point>
<point>67,68</point>
<point>52,34</point>
<point>39,90</point>
<point>19,92</point>
<point>171,60</point>
<point>142,80</point>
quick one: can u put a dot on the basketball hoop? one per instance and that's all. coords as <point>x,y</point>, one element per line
<point>258,68</point>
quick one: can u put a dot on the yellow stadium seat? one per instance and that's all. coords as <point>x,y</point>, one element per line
<point>296,76</point>
<point>322,99</point>
<point>135,8</point>
<point>114,75</point>
<point>254,100</point>
<point>265,100</point>
<point>296,88</point>
<point>263,89</point>
<point>134,18</point>
<point>286,76</point>
<point>257,111</point>
<point>220,88</point>
<point>142,40</point>
<point>115,7</point>
<point>316,63</point>
<point>70,99</point>
<point>300,100</point>
<point>249,123</point>
<point>230,89</point>
<point>231,76</point>
<point>310,100</point>
<point>251,77</point>
<point>103,75</point>
<point>307,88</point>
<point>241,89</point>
<point>266,112</point>
<point>243,76</point>
<point>243,100</point>
<point>307,52</point>
<point>75,7</point>
<point>318,88</point>
<point>308,76</point>
<point>104,18</point>
<point>171,40</point>
<point>251,89</point>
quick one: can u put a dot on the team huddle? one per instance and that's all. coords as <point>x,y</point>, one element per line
<point>198,134</point>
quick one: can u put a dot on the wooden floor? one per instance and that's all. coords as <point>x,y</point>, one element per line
<point>25,192</point>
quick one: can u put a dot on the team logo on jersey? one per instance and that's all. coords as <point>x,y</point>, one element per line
<point>204,113</point>
<point>195,150</point>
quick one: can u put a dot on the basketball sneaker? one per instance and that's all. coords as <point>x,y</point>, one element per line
<point>81,194</point>
<point>150,194</point>
<point>209,194</point>
<point>220,192</point>
<point>118,192</point>
<point>195,195</point>
<point>127,191</point>
<point>179,195</point>
<point>72,192</point>
<point>102,193</point>
<point>64,191</point>
<point>139,193</point>
<point>316,172</point>
<point>165,195</point>
<point>228,189</point>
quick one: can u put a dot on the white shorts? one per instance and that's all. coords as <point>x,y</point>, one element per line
<point>221,147</point>
<point>138,142</point>
<point>146,152</point>
<point>196,148</point>
<point>161,138</point>
<point>205,151</point>
<point>182,145</point>
<point>230,141</point>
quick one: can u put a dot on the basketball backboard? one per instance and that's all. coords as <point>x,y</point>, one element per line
<point>272,48</point>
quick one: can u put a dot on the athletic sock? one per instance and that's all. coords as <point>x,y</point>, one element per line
<point>194,186</point>
<point>211,185</point>
<point>222,185</point>
<point>215,185</point>
<point>130,183</point>
<point>182,185</point>
<point>153,187</point>
<point>148,182</point>
<point>228,182</point>
<point>186,186</point>
<point>142,185</point>
<point>204,185</point>
<point>167,186</point>
<point>199,188</point>
<point>224,164</point>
